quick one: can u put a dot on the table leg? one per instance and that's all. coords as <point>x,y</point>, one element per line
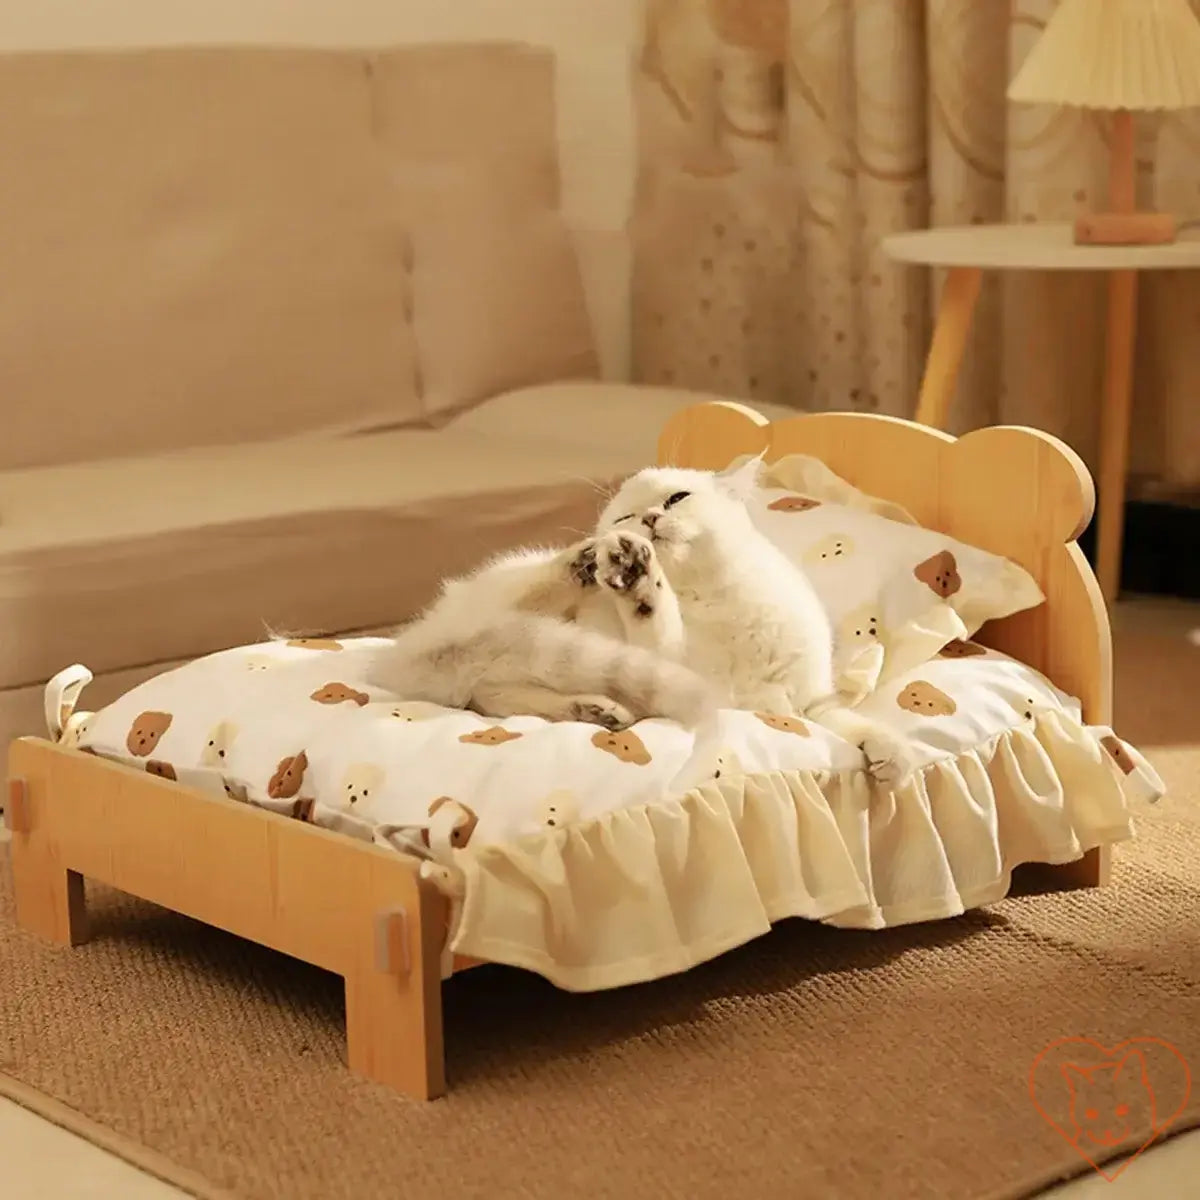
<point>955,312</point>
<point>1114,429</point>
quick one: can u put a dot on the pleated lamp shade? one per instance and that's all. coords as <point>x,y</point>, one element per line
<point>1136,55</point>
<point>1124,56</point>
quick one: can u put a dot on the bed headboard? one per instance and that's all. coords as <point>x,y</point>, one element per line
<point>205,245</point>
<point>1007,489</point>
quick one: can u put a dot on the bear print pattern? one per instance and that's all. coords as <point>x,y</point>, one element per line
<point>462,821</point>
<point>76,730</point>
<point>416,710</point>
<point>793,504</point>
<point>1120,753</point>
<point>558,809</point>
<point>146,732</point>
<point>626,746</point>
<point>962,649</point>
<point>782,724</point>
<point>926,701</point>
<point>940,574</point>
<point>712,763</point>
<point>833,548</point>
<point>727,765</point>
<point>360,782</point>
<point>494,735</point>
<point>218,744</point>
<point>860,628</point>
<point>288,777</point>
<point>338,693</point>
<point>315,644</point>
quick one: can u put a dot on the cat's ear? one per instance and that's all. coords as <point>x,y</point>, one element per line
<point>741,480</point>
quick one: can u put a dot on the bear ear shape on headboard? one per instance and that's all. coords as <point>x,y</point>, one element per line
<point>1013,491</point>
<point>1024,471</point>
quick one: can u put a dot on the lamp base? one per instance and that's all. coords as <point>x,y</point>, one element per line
<point>1125,229</point>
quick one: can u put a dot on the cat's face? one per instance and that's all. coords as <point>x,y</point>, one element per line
<point>1110,1101</point>
<point>678,508</point>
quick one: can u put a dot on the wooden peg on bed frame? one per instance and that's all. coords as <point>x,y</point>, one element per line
<point>16,811</point>
<point>50,898</point>
<point>391,942</point>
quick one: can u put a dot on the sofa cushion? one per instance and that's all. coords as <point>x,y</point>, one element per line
<point>604,415</point>
<point>125,562</point>
<point>498,298</point>
<point>205,246</point>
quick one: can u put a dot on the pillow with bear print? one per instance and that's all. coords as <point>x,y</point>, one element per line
<point>895,591</point>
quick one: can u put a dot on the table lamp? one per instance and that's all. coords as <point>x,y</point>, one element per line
<point>1124,57</point>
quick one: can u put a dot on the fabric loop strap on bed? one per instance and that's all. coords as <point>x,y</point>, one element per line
<point>60,697</point>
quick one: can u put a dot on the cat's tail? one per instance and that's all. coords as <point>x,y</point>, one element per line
<point>890,757</point>
<point>560,655</point>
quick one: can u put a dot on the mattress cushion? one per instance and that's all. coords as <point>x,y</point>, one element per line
<point>603,858</point>
<point>600,414</point>
<point>143,560</point>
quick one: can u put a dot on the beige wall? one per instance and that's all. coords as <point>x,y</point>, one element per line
<point>593,40</point>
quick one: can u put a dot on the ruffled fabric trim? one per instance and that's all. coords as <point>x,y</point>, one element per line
<point>655,889</point>
<point>649,891</point>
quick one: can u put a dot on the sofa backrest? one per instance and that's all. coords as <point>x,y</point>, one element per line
<point>209,245</point>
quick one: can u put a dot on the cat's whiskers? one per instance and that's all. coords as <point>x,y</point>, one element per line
<point>603,491</point>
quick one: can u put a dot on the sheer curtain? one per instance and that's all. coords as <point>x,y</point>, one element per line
<point>779,140</point>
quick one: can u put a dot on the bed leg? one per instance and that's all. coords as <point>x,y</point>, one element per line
<point>1094,869</point>
<point>394,999</point>
<point>50,898</point>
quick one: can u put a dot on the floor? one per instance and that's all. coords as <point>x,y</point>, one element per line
<point>40,1161</point>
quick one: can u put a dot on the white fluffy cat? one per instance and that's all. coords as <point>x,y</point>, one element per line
<point>514,637</point>
<point>676,572</point>
<point>717,591</point>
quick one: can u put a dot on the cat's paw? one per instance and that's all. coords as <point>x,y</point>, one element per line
<point>626,562</point>
<point>621,562</point>
<point>583,565</point>
<point>600,710</point>
<point>890,759</point>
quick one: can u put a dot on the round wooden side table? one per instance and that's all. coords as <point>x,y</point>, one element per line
<point>968,251</point>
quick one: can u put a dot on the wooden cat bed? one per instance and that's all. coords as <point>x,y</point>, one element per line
<point>1013,491</point>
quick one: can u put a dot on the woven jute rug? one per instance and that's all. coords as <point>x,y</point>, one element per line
<point>813,1062</point>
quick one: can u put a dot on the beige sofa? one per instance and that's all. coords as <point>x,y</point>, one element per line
<point>282,342</point>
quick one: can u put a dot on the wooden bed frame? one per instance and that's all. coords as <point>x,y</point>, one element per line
<point>1013,491</point>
